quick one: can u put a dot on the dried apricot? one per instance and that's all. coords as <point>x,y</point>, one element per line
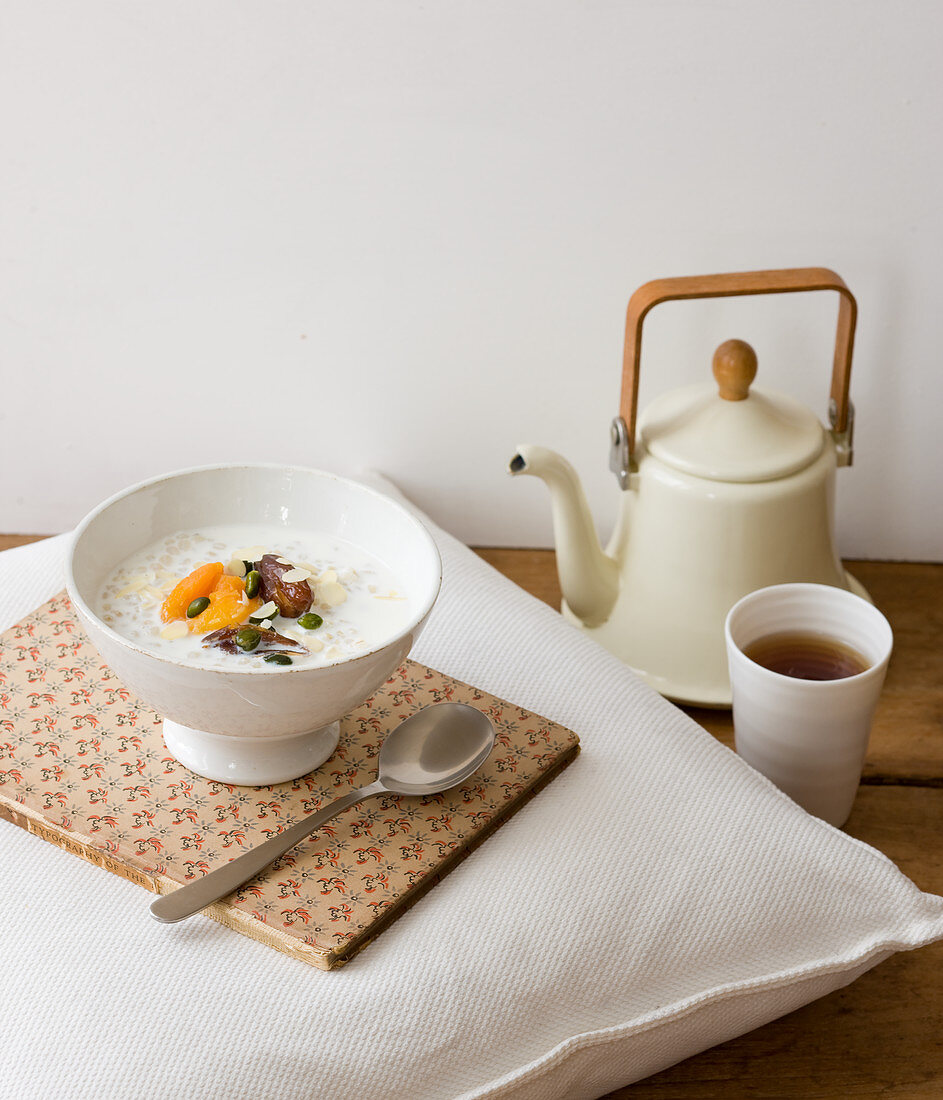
<point>228,585</point>
<point>227,607</point>
<point>200,582</point>
<point>225,611</point>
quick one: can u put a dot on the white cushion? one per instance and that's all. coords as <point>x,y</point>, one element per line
<point>657,898</point>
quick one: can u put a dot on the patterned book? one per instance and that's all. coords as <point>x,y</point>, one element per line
<point>83,765</point>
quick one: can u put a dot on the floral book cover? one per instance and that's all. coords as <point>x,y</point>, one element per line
<point>83,764</point>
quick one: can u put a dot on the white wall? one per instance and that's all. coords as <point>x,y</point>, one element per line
<point>403,234</point>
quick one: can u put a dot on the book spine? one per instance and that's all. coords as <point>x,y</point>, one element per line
<point>76,845</point>
<point>228,915</point>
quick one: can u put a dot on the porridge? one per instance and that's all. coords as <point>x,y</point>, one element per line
<point>254,596</point>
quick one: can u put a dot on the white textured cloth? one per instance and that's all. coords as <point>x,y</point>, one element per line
<point>656,898</point>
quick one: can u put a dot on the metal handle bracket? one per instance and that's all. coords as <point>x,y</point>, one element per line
<point>621,462</point>
<point>844,440</point>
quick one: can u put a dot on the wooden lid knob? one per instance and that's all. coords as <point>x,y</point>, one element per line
<point>734,369</point>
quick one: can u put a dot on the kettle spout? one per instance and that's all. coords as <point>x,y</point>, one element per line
<point>589,578</point>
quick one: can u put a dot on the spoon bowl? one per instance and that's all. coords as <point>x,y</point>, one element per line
<point>434,749</point>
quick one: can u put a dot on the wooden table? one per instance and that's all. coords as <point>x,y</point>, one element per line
<point>883,1035</point>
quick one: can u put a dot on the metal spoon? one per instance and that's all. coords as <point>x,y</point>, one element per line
<point>434,749</point>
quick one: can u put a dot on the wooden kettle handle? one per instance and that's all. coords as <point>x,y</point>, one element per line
<point>785,281</point>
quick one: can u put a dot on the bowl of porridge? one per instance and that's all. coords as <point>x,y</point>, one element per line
<point>252,607</point>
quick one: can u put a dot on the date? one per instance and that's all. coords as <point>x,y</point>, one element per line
<point>292,598</point>
<point>269,641</point>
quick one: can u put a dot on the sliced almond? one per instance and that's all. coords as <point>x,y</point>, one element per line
<point>266,611</point>
<point>135,584</point>
<point>328,576</point>
<point>266,624</point>
<point>294,575</point>
<point>236,568</point>
<point>175,630</point>
<point>331,594</point>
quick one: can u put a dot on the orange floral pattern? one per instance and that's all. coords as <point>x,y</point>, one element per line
<point>83,763</point>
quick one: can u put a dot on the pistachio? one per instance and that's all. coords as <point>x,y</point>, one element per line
<point>247,638</point>
<point>197,607</point>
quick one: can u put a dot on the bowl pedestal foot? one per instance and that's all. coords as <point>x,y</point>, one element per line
<point>250,761</point>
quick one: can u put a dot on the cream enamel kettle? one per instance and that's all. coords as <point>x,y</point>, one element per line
<point>726,489</point>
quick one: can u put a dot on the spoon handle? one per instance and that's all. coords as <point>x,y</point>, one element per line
<point>217,884</point>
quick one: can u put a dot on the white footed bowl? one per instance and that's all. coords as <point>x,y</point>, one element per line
<point>257,724</point>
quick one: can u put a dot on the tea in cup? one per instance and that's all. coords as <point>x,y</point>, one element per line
<point>807,664</point>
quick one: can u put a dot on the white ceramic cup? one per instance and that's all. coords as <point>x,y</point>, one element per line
<point>808,736</point>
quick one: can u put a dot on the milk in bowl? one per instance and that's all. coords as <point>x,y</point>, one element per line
<point>353,603</point>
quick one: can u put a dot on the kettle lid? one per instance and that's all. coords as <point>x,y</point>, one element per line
<point>730,432</point>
